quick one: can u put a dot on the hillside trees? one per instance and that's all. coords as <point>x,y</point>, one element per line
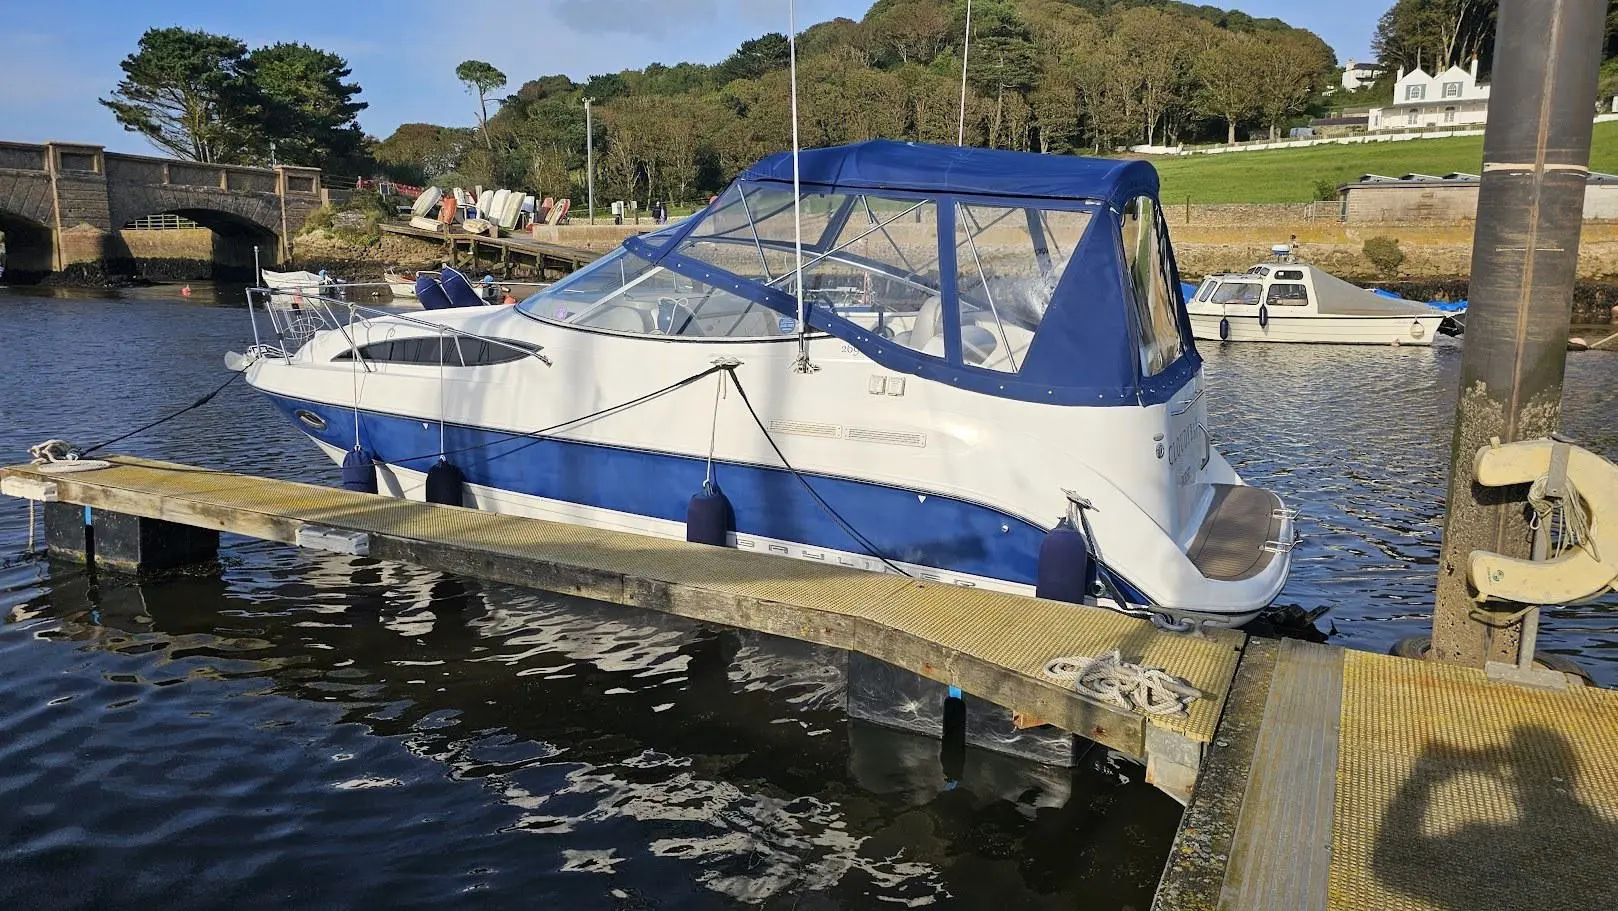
<point>1437,33</point>
<point>1287,71</point>
<point>1057,76</point>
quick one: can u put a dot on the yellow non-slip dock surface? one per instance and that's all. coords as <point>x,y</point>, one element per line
<point>1455,792</point>
<point>992,645</point>
<point>1361,781</point>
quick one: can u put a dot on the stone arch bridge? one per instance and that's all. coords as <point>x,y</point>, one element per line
<point>63,205</point>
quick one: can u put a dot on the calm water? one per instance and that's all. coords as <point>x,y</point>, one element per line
<point>303,730</point>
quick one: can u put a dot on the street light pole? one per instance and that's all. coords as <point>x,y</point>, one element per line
<point>590,157</point>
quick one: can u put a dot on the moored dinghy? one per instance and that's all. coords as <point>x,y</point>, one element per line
<point>993,356</point>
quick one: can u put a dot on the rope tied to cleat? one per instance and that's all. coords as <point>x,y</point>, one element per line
<point>1112,680</point>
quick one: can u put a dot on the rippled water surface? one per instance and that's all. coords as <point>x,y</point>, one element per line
<point>301,730</point>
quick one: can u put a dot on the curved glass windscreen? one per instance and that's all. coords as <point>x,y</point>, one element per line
<point>874,260</point>
<point>622,292</point>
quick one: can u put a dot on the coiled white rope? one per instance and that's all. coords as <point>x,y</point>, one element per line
<point>53,451</point>
<point>1574,524</point>
<point>1114,681</point>
<point>62,457</point>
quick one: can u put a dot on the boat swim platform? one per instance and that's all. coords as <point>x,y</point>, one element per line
<point>991,645</point>
<point>1325,778</point>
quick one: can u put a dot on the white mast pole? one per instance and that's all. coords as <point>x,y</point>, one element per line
<point>966,53</point>
<point>802,365</point>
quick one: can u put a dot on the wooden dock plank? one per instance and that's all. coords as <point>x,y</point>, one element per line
<point>990,644</point>
<point>1284,833</point>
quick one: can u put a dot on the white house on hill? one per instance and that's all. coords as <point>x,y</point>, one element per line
<point>1422,101</point>
<point>1359,74</point>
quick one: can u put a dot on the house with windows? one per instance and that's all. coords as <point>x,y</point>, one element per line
<point>1358,75</point>
<point>1421,100</point>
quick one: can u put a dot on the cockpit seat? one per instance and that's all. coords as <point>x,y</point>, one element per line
<point>619,318</point>
<point>929,322</point>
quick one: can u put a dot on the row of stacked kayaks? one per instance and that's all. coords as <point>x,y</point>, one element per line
<point>477,212</point>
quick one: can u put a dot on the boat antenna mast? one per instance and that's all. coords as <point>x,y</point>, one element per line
<point>966,55</point>
<point>802,364</point>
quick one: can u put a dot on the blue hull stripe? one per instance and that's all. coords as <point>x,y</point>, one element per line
<point>926,530</point>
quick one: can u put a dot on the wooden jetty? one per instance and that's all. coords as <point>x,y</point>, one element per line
<point>478,251</point>
<point>1323,778</point>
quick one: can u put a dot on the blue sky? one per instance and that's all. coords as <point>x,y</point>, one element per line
<point>404,52</point>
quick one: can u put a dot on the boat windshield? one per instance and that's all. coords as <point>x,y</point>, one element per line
<point>874,259</point>
<point>1237,293</point>
<point>622,292</point>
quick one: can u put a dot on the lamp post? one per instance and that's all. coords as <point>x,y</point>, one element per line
<point>590,157</point>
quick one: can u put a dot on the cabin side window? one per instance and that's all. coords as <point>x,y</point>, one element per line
<point>433,350</point>
<point>1146,259</point>
<point>1288,294</point>
<point>1008,262</point>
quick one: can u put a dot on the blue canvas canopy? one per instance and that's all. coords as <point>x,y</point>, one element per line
<point>883,164</point>
<point>1045,278</point>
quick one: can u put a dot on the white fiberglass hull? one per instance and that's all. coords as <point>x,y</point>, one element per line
<point>1317,329</point>
<point>949,484</point>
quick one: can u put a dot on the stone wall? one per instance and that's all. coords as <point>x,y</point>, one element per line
<point>1179,215</point>
<point>181,243</point>
<point>591,237</point>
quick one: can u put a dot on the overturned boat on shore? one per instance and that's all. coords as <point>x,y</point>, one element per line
<point>979,371</point>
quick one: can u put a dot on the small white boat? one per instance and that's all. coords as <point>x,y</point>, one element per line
<point>425,202</point>
<point>293,288</point>
<point>1297,302</point>
<point>402,286</point>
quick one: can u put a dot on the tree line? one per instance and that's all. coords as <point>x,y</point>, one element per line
<point>1059,76</point>
<point>1062,76</point>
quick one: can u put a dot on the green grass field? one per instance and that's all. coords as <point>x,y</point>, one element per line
<point>1290,175</point>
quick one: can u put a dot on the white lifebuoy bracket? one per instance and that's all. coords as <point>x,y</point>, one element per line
<point>1581,572</point>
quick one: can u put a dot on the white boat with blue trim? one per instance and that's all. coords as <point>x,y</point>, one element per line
<point>994,385</point>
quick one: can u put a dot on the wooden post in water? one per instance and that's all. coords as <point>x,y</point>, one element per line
<point>1525,252</point>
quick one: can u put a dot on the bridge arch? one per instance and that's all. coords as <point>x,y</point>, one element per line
<point>221,210</point>
<point>30,248</point>
<point>218,245</point>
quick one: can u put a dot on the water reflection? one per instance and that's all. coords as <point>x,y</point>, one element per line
<point>397,729</point>
<point>293,729</point>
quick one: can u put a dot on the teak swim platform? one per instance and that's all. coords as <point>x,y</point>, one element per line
<point>1324,778</point>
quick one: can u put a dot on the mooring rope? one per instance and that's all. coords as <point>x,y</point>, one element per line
<point>1574,524</point>
<point>1114,681</point>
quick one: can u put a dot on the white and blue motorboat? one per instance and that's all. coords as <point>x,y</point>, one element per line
<point>988,379</point>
